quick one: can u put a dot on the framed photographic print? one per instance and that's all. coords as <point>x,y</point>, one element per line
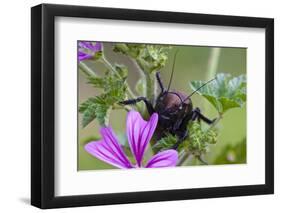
<point>140,106</point>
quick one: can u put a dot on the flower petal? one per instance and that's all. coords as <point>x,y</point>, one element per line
<point>139,133</point>
<point>112,143</point>
<point>83,56</point>
<point>166,158</point>
<point>88,49</point>
<point>97,47</point>
<point>93,46</point>
<point>85,44</point>
<point>109,150</point>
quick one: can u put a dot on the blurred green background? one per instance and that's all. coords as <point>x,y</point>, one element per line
<point>192,63</point>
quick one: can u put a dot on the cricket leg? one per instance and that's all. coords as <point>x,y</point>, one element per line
<point>196,114</point>
<point>148,104</point>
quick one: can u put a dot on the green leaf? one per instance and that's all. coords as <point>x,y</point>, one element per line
<point>132,50</point>
<point>84,106</point>
<point>96,82</point>
<point>199,138</point>
<point>94,108</point>
<point>228,103</point>
<point>88,115</point>
<point>196,143</point>
<point>122,70</point>
<point>114,91</point>
<point>149,57</point>
<point>165,143</point>
<point>224,92</point>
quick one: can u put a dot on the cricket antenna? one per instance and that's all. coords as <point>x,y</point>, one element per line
<point>173,69</point>
<point>199,88</point>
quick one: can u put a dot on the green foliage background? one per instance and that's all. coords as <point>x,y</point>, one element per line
<point>192,63</point>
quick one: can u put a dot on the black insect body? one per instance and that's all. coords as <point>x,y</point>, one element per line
<point>174,109</point>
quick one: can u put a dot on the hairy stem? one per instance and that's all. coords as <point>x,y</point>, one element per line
<point>86,70</point>
<point>149,87</point>
<point>138,68</point>
<point>212,67</point>
<point>212,70</point>
<point>213,62</point>
<point>111,68</point>
<point>148,80</point>
<point>200,158</point>
<point>184,157</point>
<point>155,92</point>
<point>90,73</point>
<point>141,107</point>
<point>117,106</point>
<point>107,64</point>
<point>106,120</point>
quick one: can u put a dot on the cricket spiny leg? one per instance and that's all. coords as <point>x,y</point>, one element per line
<point>148,105</point>
<point>182,135</point>
<point>196,114</point>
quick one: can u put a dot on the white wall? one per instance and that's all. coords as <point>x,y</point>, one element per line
<point>15,105</point>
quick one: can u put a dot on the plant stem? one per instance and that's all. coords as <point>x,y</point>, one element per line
<point>202,160</point>
<point>141,107</point>
<point>148,80</point>
<point>149,87</point>
<point>86,70</point>
<point>111,68</point>
<point>108,64</point>
<point>213,62</point>
<point>106,120</point>
<point>138,69</point>
<point>90,73</point>
<point>127,108</point>
<point>212,67</point>
<point>155,90</point>
<point>185,156</point>
<point>212,70</point>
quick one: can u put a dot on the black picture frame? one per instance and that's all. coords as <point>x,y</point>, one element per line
<point>43,102</point>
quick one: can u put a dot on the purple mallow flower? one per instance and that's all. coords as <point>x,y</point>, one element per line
<point>139,133</point>
<point>87,49</point>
